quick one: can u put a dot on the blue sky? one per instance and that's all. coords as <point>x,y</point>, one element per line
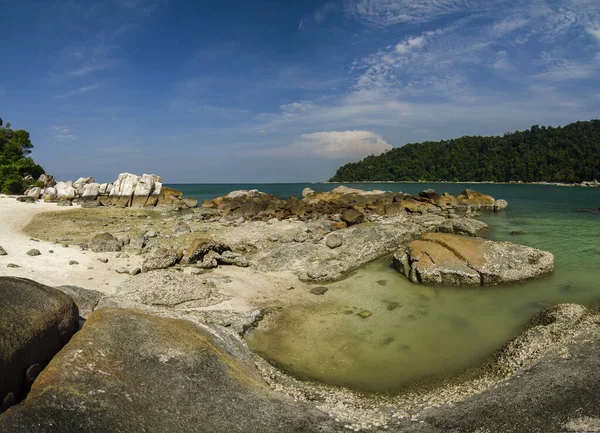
<point>284,91</point>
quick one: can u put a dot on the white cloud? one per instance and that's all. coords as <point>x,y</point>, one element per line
<point>389,12</point>
<point>342,145</point>
<point>502,63</point>
<point>86,70</point>
<point>63,133</point>
<point>509,25</point>
<point>595,32</point>
<point>323,12</point>
<point>410,44</point>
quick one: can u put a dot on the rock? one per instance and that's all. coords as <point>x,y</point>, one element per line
<point>430,194</point>
<point>34,193</point>
<point>210,260</point>
<point>90,192</point>
<point>188,202</point>
<point>364,314</point>
<point>181,228</point>
<point>200,247</point>
<point>338,225</point>
<point>448,259</point>
<point>47,180</point>
<point>319,290</point>
<point>86,300</point>
<point>517,232</point>
<point>334,240</point>
<point>169,197</point>
<point>500,205</point>
<point>306,192</point>
<point>395,209</point>
<point>3,251</point>
<point>64,203</point>
<point>90,204</point>
<point>412,204</point>
<point>146,191</point>
<point>168,289</point>
<point>475,200</point>
<point>135,271</point>
<point>50,194</point>
<point>81,183</point>
<point>352,216</point>
<point>34,252</point>
<point>464,226</point>
<point>65,191</point>
<point>35,322</point>
<point>138,241</point>
<point>111,377</point>
<point>12,265</point>
<point>160,258</point>
<point>250,204</point>
<point>122,191</point>
<point>26,199</point>
<point>73,262</point>
<point>103,260</point>
<point>104,243</point>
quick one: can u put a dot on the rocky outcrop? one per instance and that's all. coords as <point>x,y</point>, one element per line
<point>353,205</point>
<point>448,259</point>
<point>129,190</point>
<point>130,371</point>
<point>35,322</point>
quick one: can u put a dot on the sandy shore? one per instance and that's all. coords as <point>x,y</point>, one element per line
<point>52,268</point>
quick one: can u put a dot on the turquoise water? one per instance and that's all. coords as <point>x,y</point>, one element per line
<point>419,332</point>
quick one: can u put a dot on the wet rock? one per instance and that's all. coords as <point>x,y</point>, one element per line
<point>446,259</point>
<point>319,290</point>
<point>26,199</point>
<point>500,205</point>
<point>334,240</point>
<point>35,322</point>
<point>34,252</point>
<point>112,375</point>
<point>105,242</point>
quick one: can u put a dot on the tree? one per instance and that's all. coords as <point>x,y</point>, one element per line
<point>14,162</point>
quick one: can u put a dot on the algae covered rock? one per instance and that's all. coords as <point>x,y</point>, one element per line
<point>128,371</point>
<point>35,322</point>
<point>448,259</point>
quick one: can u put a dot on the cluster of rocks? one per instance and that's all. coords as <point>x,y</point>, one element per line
<point>129,190</point>
<point>347,206</point>
<point>449,259</point>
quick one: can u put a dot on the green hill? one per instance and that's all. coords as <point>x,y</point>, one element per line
<point>564,154</point>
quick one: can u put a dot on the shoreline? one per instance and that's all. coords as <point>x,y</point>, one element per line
<point>250,289</point>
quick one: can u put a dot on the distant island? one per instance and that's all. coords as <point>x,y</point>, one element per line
<point>541,154</point>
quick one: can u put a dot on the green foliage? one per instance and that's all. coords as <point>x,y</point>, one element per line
<point>14,162</point>
<point>563,154</point>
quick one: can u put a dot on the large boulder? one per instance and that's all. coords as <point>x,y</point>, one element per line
<point>131,371</point>
<point>161,258</point>
<point>36,321</point>
<point>449,259</point>
<point>105,243</point>
<point>122,190</point>
<point>146,191</point>
<point>200,247</point>
<point>34,192</point>
<point>50,194</point>
<point>90,192</point>
<point>80,184</point>
<point>64,191</point>
<point>250,204</point>
<point>475,200</point>
<point>47,180</point>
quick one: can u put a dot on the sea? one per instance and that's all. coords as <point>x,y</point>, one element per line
<point>418,333</point>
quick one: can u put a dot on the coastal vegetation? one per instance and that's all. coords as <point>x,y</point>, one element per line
<point>15,163</point>
<point>540,154</point>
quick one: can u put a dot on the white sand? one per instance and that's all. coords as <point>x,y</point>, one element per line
<point>53,269</point>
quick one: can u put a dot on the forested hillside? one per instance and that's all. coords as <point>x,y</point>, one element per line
<point>15,164</point>
<point>564,154</point>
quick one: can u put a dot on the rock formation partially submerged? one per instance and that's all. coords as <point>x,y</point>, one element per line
<point>448,259</point>
<point>129,190</point>
<point>352,205</point>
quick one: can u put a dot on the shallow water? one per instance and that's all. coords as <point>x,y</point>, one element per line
<point>418,332</point>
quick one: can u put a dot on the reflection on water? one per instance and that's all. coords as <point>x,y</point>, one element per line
<point>418,332</point>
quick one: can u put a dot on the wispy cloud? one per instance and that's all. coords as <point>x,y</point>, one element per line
<point>63,133</point>
<point>86,70</point>
<point>343,145</point>
<point>79,91</point>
